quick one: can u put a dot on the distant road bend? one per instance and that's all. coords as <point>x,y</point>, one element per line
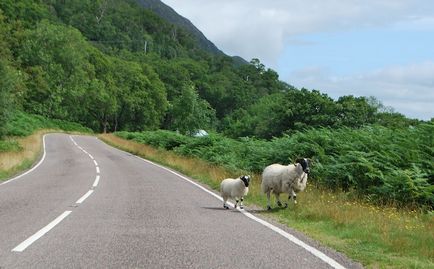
<point>88,205</point>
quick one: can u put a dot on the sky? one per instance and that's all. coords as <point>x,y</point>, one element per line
<point>380,48</point>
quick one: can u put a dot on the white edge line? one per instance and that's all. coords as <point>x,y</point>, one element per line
<point>97,169</point>
<point>33,168</point>
<point>84,197</point>
<point>288,236</point>
<point>91,157</point>
<point>96,164</point>
<point>40,233</point>
<point>96,181</point>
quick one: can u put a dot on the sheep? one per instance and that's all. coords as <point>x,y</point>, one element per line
<point>289,179</point>
<point>234,188</point>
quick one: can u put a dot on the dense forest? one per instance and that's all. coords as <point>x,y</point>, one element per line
<point>112,65</point>
<point>116,66</point>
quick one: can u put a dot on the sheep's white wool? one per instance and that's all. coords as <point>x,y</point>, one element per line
<point>283,179</point>
<point>233,188</point>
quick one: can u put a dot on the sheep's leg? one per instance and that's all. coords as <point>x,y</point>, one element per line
<point>224,203</point>
<point>279,203</point>
<point>236,202</point>
<point>268,201</point>
<point>293,195</point>
<point>241,203</point>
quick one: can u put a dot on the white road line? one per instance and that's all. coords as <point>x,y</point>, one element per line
<point>288,236</point>
<point>97,169</point>
<point>40,233</point>
<point>96,181</point>
<point>91,157</point>
<point>33,168</point>
<point>84,197</point>
<point>86,152</point>
<point>96,164</point>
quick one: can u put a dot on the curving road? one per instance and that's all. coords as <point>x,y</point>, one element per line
<point>88,205</point>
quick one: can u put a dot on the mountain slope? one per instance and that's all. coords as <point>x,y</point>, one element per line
<point>169,14</point>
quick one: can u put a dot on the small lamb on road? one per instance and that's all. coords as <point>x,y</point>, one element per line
<point>235,189</point>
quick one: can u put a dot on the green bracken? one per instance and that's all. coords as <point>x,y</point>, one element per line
<point>374,163</point>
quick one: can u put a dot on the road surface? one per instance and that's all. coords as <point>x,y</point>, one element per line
<point>88,205</point>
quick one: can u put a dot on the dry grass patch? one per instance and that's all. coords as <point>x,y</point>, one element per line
<point>16,161</point>
<point>30,150</point>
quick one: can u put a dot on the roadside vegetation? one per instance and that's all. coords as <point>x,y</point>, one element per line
<point>21,144</point>
<point>379,233</point>
<point>374,164</point>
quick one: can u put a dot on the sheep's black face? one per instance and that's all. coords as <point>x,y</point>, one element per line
<point>246,180</point>
<point>305,164</point>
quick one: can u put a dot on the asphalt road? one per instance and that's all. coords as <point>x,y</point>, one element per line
<point>88,205</point>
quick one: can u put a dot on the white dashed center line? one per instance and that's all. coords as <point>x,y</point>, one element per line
<point>84,197</point>
<point>40,233</point>
<point>21,247</point>
<point>95,183</point>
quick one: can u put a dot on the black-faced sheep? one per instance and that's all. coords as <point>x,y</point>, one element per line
<point>235,189</point>
<point>289,179</point>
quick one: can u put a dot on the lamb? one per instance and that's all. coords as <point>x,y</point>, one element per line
<point>234,188</point>
<point>289,179</point>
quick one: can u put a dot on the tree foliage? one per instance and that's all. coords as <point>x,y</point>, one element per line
<point>131,70</point>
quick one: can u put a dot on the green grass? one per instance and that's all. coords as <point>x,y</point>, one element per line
<point>10,145</point>
<point>23,124</point>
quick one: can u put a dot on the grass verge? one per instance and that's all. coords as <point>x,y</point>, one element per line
<point>21,153</point>
<point>22,145</point>
<point>378,237</point>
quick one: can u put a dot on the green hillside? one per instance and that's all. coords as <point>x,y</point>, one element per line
<point>131,70</point>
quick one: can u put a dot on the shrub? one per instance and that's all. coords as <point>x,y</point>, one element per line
<point>380,164</point>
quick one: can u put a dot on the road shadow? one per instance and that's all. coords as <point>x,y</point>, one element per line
<point>252,211</point>
<point>258,211</point>
<point>213,208</point>
<point>265,211</point>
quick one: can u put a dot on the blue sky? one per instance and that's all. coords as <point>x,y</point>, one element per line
<point>358,50</point>
<point>381,48</point>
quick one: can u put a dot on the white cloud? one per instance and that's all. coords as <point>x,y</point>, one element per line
<point>261,29</point>
<point>408,89</point>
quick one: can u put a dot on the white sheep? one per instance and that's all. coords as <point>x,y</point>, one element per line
<point>235,189</point>
<point>289,179</point>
